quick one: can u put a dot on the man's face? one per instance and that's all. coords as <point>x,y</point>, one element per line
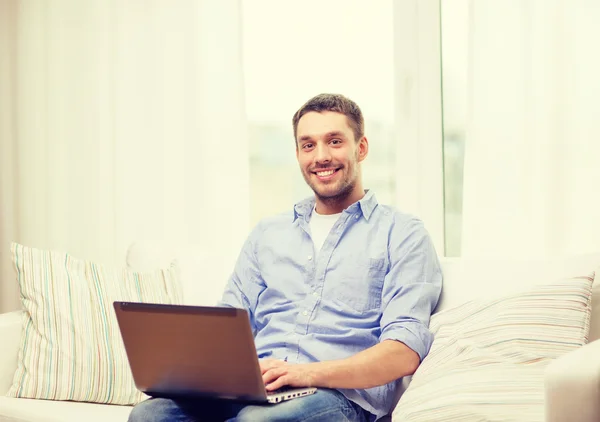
<point>328,153</point>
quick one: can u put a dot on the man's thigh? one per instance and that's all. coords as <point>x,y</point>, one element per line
<point>325,405</point>
<point>194,410</point>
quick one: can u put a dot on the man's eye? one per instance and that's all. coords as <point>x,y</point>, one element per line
<point>307,146</point>
<point>336,141</point>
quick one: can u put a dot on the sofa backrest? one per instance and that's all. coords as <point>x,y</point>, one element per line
<point>203,280</point>
<point>464,279</point>
<point>468,279</point>
<point>10,341</point>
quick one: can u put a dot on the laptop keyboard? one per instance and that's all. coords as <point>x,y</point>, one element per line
<point>278,391</point>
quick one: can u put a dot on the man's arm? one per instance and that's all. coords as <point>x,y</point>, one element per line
<point>411,288</point>
<point>245,284</point>
<point>377,365</point>
<point>410,293</point>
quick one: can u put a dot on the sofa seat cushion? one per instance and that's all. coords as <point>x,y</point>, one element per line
<point>61,411</point>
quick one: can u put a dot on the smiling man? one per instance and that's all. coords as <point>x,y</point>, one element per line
<point>329,158</point>
<point>339,290</point>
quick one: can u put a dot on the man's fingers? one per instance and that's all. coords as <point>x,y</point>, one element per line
<point>267,364</point>
<point>272,374</point>
<point>277,384</point>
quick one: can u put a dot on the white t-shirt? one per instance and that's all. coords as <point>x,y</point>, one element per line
<point>320,226</point>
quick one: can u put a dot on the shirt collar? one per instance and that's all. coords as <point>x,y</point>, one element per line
<point>366,206</point>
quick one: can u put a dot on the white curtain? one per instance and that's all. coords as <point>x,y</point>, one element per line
<point>121,121</point>
<point>532,155</point>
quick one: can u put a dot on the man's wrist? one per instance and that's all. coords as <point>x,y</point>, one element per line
<point>320,374</point>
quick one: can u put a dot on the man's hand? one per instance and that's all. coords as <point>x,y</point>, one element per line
<point>380,364</point>
<point>277,373</point>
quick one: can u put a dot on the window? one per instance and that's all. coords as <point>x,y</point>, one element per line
<point>292,54</point>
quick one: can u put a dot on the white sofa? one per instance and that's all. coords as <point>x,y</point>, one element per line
<point>572,381</point>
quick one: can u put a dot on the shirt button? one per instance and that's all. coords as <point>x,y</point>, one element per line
<point>305,313</point>
<point>315,294</point>
<point>309,257</point>
<point>356,216</point>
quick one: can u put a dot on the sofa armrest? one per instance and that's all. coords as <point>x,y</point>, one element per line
<point>10,338</point>
<point>572,384</point>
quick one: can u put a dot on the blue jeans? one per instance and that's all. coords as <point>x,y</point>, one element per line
<point>325,405</point>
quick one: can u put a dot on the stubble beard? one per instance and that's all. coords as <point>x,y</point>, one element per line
<point>337,196</point>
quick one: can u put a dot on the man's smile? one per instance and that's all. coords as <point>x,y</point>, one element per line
<point>325,174</point>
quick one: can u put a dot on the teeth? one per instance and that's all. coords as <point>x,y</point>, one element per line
<point>325,173</point>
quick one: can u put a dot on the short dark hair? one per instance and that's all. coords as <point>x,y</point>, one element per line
<point>337,103</point>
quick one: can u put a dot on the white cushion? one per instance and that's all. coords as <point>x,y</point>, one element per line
<point>489,356</point>
<point>71,346</point>
<point>60,411</point>
<point>467,279</point>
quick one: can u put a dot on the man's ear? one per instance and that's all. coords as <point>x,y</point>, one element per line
<point>363,148</point>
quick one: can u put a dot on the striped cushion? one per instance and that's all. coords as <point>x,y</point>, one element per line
<point>488,358</point>
<point>71,346</point>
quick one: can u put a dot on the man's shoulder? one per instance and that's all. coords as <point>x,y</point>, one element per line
<point>277,221</point>
<point>398,218</point>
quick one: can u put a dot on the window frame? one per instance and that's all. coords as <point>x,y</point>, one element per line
<point>418,114</point>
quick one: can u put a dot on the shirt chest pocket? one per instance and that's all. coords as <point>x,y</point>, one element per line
<point>357,283</point>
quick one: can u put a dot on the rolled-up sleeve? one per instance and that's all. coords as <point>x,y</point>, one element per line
<point>411,288</point>
<point>245,284</point>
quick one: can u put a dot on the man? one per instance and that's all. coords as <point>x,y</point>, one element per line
<point>339,291</point>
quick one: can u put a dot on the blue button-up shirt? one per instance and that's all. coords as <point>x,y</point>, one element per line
<point>377,277</point>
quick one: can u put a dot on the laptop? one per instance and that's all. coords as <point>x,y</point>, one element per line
<point>178,351</point>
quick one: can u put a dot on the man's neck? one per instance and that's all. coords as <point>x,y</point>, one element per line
<point>336,205</point>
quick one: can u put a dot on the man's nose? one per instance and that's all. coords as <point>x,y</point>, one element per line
<point>322,154</point>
